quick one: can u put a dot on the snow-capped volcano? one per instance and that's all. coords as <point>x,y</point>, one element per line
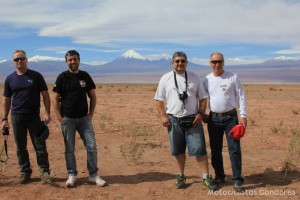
<point>132,54</point>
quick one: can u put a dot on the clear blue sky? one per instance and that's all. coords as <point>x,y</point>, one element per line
<point>246,31</point>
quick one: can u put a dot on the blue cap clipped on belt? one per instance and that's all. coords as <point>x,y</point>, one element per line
<point>43,132</point>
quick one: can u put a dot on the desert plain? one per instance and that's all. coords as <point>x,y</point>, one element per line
<point>134,151</point>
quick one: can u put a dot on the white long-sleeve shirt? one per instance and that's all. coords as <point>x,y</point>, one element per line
<point>225,93</point>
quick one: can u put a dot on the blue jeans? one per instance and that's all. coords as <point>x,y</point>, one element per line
<point>181,137</point>
<point>217,126</point>
<point>85,129</point>
<point>22,123</point>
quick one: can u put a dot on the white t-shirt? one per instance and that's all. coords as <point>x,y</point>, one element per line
<point>225,93</point>
<point>167,92</point>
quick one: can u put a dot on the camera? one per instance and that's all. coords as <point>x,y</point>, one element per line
<point>5,131</point>
<point>183,96</point>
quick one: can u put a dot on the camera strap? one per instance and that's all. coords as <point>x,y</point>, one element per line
<point>176,84</point>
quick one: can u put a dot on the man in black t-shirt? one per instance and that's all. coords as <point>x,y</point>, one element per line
<point>71,106</point>
<point>22,90</point>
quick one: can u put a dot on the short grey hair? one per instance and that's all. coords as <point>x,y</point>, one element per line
<point>20,51</point>
<point>179,54</point>
<point>217,53</point>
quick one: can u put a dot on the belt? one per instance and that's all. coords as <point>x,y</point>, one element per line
<point>233,111</point>
<point>182,117</point>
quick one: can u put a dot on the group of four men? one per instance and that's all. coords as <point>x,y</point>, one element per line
<point>181,100</point>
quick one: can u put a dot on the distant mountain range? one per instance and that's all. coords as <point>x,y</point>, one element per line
<point>131,67</point>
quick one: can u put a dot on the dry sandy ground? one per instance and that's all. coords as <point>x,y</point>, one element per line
<point>134,154</point>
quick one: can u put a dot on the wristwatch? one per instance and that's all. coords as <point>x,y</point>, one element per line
<point>201,113</point>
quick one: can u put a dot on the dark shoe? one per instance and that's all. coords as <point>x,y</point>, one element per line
<point>45,178</point>
<point>220,182</point>
<point>180,181</point>
<point>24,178</point>
<point>209,183</point>
<point>238,188</point>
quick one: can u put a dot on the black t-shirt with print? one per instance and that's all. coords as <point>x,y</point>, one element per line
<point>73,89</point>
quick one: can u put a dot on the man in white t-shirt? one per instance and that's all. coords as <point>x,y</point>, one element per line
<point>180,98</point>
<point>225,96</point>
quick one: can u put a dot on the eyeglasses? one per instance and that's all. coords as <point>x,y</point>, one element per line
<point>216,61</point>
<point>19,59</point>
<point>178,61</point>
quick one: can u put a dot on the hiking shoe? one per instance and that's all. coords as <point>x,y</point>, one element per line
<point>238,188</point>
<point>45,178</point>
<point>98,180</point>
<point>24,178</point>
<point>71,181</point>
<point>209,183</point>
<point>220,182</point>
<point>180,183</point>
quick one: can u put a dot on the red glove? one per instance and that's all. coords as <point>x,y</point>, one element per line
<point>238,131</point>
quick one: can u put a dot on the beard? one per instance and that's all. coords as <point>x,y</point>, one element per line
<point>74,67</point>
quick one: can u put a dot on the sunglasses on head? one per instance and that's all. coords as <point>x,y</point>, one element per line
<point>19,59</point>
<point>178,61</point>
<point>216,61</point>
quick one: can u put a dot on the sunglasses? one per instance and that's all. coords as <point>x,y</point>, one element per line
<point>19,59</point>
<point>216,61</point>
<point>178,61</point>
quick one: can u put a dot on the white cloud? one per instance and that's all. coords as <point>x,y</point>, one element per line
<point>200,61</point>
<point>229,61</point>
<point>158,56</point>
<point>38,58</point>
<point>285,58</point>
<point>112,25</point>
<point>243,60</point>
<point>189,22</point>
<point>96,63</point>
<point>292,50</point>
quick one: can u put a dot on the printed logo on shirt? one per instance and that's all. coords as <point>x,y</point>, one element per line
<point>30,81</point>
<point>189,83</point>
<point>82,83</point>
<point>223,87</point>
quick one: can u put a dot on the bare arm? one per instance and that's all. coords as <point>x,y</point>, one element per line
<point>162,112</point>
<point>47,104</point>
<point>201,109</point>
<point>202,105</point>
<point>56,100</point>
<point>201,116</point>
<point>93,101</point>
<point>6,109</point>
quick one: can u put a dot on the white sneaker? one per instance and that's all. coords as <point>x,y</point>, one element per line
<point>71,181</point>
<point>99,181</point>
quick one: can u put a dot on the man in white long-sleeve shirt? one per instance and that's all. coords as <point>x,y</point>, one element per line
<point>225,96</point>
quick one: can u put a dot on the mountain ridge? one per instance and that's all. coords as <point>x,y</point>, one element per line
<point>132,67</point>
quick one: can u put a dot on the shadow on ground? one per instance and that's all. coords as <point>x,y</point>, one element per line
<point>272,178</point>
